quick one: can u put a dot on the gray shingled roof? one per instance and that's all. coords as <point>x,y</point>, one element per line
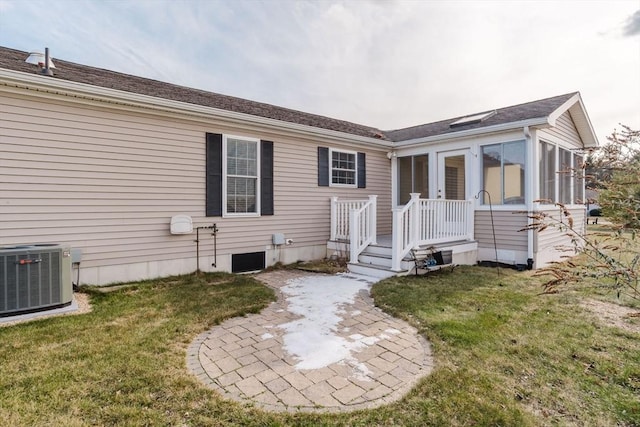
<point>14,60</point>
<point>515,113</point>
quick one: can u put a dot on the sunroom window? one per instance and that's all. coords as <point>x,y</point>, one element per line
<point>413,174</point>
<point>578,179</point>
<point>564,176</point>
<point>547,172</point>
<point>503,167</point>
<point>561,175</point>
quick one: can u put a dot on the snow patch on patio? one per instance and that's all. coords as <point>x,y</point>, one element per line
<point>313,339</point>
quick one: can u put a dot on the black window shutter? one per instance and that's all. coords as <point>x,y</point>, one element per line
<point>362,171</point>
<point>323,166</point>
<point>214,175</point>
<point>266,178</point>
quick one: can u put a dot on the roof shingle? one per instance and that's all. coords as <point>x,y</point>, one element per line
<point>15,60</point>
<point>515,113</point>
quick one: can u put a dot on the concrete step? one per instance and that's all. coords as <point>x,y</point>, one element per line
<point>367,257</point>
<point>378,249</point>
<point>373,270</point>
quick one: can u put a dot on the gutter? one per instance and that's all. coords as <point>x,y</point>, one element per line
<point>85,91</point>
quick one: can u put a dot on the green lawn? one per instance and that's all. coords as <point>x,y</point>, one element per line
<point>504,356</point>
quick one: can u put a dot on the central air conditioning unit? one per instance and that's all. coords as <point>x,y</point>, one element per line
<point>34,278</point>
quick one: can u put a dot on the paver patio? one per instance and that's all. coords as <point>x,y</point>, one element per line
<point>246,358</point>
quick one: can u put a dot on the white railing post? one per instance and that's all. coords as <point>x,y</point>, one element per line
<point>334,217</point>
<point>354,232</point>
<point>471,219</point>
<point>373,219</point>
<point>362,226</point>
<point>396,238</point>
<point>406,226</point>
<point>415,223</point>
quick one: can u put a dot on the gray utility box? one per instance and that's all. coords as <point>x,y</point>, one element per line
<point>34,278</point>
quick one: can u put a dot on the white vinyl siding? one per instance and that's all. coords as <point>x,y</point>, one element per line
<point>107,181</point>
<point>565,130</point>
<point>507,225</point>
<point>553,242</point>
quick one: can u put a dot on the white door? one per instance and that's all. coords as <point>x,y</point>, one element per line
<point>452,177</point>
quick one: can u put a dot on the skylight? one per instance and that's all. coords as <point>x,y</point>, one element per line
<point>475,118</point>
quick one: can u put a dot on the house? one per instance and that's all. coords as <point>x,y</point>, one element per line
<point>102,161</point>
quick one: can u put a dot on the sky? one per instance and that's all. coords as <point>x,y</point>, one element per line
<point>384,63</point>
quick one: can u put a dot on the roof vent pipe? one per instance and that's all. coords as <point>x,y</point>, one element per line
<point>43,61</point>
<point>46,70</point>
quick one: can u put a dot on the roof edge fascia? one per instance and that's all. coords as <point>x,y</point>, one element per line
<point>555,114</point>
<point>46,84</point>
<point>586,131</point>
<point>537,122</point>
<point>591,137</point>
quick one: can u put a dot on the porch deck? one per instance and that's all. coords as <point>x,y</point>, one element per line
<point>422,224</point>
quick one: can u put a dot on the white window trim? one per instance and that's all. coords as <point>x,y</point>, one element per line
<point>226,214</point>
<point>558,166</point>
<point>502,206</point>
<point>556,181</point>
<point>355,156</point>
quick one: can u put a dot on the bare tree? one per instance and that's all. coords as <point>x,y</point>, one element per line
<point>611,259</point>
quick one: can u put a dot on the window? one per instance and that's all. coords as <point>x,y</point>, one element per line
<point>343,168</point>
<point>547,172</point>
<point>473,119</point>
<point>578,179</point>
<point>413,173</point>
<point>564,176</point>
<point>503,167</point>
<point>241,175</point>
<point>561,175</point>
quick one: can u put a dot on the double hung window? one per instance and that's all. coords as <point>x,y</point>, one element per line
<point>241,175</point>
<point>343,168</point>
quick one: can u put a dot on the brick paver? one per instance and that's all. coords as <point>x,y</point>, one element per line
<point>244,360</point>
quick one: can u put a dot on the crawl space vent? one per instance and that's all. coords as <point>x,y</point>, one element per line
<point>252,261</point>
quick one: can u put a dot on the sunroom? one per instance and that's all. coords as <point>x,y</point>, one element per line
<point>469,184</point>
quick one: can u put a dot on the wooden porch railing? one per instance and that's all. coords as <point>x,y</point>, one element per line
<point>340,216</point>
<point>429,221</point>
<point>419,222</point>
<point>355,221</point>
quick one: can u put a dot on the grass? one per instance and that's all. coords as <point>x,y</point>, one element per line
<point>507,355</point>
<point>504,356</point>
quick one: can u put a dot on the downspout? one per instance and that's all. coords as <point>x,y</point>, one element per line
<point>530,190</point>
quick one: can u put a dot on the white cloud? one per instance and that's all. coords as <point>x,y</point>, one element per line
<point>385,64</point>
